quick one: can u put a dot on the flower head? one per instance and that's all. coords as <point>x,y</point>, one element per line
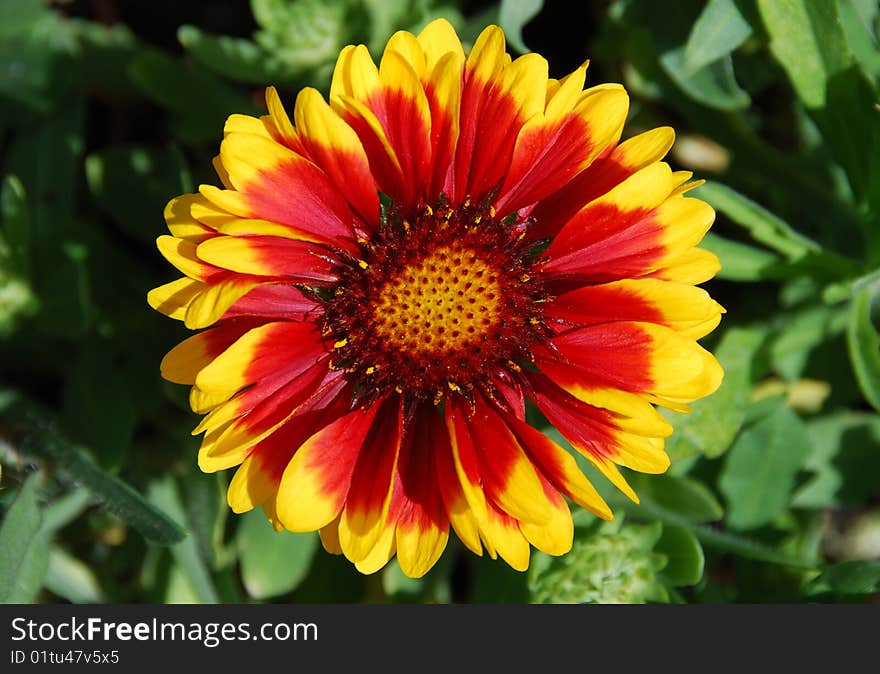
<point>387,278</point>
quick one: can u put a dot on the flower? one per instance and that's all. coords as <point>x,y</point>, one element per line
<point>388,277</point>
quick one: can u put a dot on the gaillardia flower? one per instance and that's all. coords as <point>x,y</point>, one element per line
<point>388,277</point>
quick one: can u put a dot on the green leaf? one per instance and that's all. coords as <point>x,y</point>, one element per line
<point>513,15</point>
<point>719,30</point>
<point>712,537</point>
<point>272,562</point>
<point>799,335</point>
<point>163,493</point>
<point>714,421</point>
<point>685,560</point>
<point>807,39</point>
<point>864,344</point>
<point>764,227</point>
<point>713,85</point>
<point>759,473</point>
<point>851,577</point>
<point>742,262</point>
<point>855,19</point>
<point>233,57</point>
<point>41,440</point>
<point>72,579</point>
<point>24,555</point>
<point>683,496</point>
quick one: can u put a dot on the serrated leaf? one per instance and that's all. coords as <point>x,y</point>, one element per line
<point>864,345</point>
<point>719,30</point>
<point>24,555</point>
<point>513,15</point>
<point>685,560</point>
<point>714,421</point>
<point>843,460</point>
<point>272,562</point>
<point>760,469</point>
<point>612,563</point>
<point>233,57</point>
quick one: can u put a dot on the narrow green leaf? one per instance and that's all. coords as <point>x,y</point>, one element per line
<point>714,421</point>
<point>272,562</point>
<point>764,227</point>
<point>742,262</point>
<point>24,554</point>
<point>759,473</point>
<point>163,493</point>
<point>807,39</point>
<point>864,344</point>
<point>685,560</point>
<point>40,439</point>
<point>715,538</point>
<point>719,30</point>
<point>513,15</point>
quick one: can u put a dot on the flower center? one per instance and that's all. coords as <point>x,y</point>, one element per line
<point>448,301</point>
<point>441,302</point>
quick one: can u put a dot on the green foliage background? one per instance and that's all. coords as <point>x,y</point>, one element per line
<point>105,113</point>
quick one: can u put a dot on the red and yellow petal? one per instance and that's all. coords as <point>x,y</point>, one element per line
<point>556,145</point>
<point>605,173</point>
<point>336,149</point>
<point>369,497</point>
<point>274,183</point>
<point>650,360</point>
<point>684,308</point>
<point>631,231</point>
<point>423,525</point>
<point>316,482</point>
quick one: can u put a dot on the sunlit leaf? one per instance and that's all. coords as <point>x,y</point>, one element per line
<point>24,555</point>
<point>685,560</point>
<point>760,468</point>
<point>719,30</point>
<point>272,562</point>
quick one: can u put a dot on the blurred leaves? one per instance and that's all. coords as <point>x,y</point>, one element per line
<point>513,15</point>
